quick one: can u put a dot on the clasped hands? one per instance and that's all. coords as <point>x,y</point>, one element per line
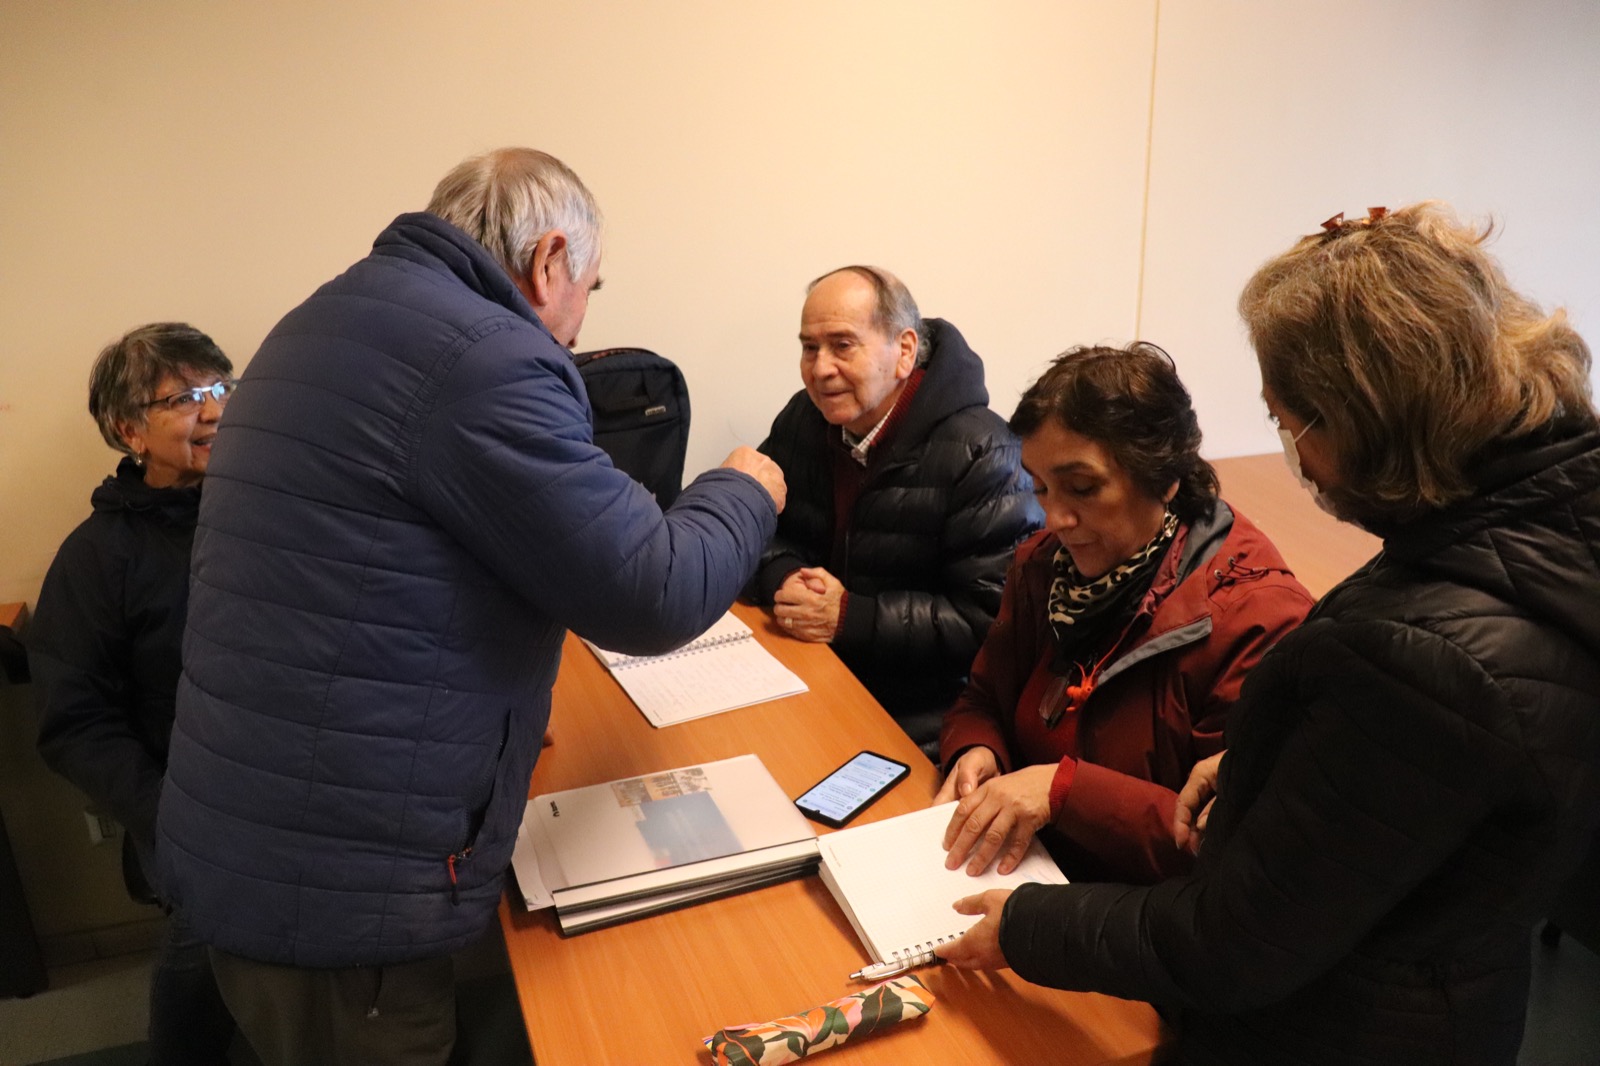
<point>807,604</point>
<point>979,947</point>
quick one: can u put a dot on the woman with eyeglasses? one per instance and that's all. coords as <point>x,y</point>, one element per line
<point>1412,773</point>
<point>103,646</point>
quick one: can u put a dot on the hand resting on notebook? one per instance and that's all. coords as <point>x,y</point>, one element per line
<point>999,819</point>
<point>979,947</point>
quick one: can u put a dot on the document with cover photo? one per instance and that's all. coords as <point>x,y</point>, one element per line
<point>642,844</point>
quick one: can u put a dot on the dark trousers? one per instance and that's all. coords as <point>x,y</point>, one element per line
<point>189,1023</point>
<point>403,1014</point>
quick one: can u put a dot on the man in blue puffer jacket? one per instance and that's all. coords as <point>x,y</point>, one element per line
<point>405,514</point>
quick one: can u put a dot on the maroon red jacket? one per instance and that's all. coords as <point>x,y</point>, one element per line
<point>1222,597</point>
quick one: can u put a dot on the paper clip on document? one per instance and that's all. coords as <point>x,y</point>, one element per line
<point>901,963</point>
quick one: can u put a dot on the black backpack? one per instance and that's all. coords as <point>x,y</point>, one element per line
<point>641,415</point>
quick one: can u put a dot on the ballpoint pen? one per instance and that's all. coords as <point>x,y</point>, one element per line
<point>881,971</point>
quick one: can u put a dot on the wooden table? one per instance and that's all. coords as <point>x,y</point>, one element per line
<point>648,991</point>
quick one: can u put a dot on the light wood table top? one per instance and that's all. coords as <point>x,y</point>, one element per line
<point>648,991</point>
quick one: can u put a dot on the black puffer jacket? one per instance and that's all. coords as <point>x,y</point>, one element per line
<point>103,651</point>
<point>944,504</point>
<point>1409,777</point>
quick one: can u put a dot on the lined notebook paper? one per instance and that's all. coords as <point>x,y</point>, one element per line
<point>723,668</point>
<point>890,880</point>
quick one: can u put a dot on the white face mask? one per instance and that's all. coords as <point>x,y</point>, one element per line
<point>1291,453</point>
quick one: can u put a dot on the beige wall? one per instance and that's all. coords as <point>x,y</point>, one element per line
<point>215,162</point>
<point>1270,117</point>
<point>1041,172</point>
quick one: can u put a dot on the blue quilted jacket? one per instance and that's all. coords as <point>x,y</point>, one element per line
<point>404,513</point>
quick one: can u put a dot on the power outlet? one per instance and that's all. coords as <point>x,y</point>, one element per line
<point>101,827</point>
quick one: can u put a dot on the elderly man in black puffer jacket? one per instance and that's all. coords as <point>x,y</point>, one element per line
<point>906,497</point>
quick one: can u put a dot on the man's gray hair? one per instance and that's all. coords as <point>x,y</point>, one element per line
<point>509,198</point>
<point>895,312</point>
<point>124,378</point>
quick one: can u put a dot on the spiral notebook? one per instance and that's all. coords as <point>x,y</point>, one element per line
<point>723,668</point>
<point>890,880</point>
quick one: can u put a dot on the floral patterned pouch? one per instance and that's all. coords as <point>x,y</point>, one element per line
<point>792,1039</point>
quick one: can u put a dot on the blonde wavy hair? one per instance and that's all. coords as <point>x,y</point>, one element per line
<point>1399,336</point>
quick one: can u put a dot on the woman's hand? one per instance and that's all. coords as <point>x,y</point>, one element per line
<point>975,766</point>
<point>979,947</point>
<point>999,818</point>
<point>1194,804</point>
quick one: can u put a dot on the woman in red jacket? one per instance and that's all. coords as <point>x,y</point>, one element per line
<point>1126,628</point>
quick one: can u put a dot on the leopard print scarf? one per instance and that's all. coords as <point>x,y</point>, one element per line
<point>1084,613</point>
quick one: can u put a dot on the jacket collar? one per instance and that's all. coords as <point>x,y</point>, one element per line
<point>1527,538</point>
<point>427,239</point>
<point>1177,611</point>
<point>126,491</point>
<point>952,381</point>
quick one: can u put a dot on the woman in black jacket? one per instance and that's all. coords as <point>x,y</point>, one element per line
<point>104,643</point>
<point>1412,772</point>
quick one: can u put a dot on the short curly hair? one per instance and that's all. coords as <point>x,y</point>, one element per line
<point>1399,336</point>
<point>1132,401</point>
<point>127,371</point>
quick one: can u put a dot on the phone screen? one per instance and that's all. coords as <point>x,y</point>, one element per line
<point>851,788</point>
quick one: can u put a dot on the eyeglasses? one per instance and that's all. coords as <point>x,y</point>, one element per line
<point>193,399</point>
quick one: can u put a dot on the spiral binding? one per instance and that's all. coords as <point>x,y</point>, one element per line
<point>921,954</point>
<point>693,648</point>
<point>905,960</point>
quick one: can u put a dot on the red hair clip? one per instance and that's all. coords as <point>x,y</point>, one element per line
<point>1333,224</point>
<point>1376,213</point>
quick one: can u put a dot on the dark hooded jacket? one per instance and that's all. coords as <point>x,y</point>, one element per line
<point>1410,776</point>
<point>944,503</point>
<point>404,514</point>
<point>103,652</point>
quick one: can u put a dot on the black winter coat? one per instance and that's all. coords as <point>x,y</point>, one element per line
<point>944,504</point>
<point>103,651</point>
<point>1410,776</point>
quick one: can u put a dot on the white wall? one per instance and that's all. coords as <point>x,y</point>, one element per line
<point>215,162</point>
<point>1271,117</point>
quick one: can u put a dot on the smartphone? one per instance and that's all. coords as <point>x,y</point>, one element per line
<point>851,789</point>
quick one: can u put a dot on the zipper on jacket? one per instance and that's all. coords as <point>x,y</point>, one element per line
<point>475,821</point>
<point>455,889</point>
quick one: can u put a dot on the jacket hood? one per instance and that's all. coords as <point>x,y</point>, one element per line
<point>126,491</point>
<point>952,381</point>
<point>1531,537</point>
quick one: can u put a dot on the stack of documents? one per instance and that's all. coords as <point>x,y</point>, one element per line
<point>612,852</point>
<point>723,668</point>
